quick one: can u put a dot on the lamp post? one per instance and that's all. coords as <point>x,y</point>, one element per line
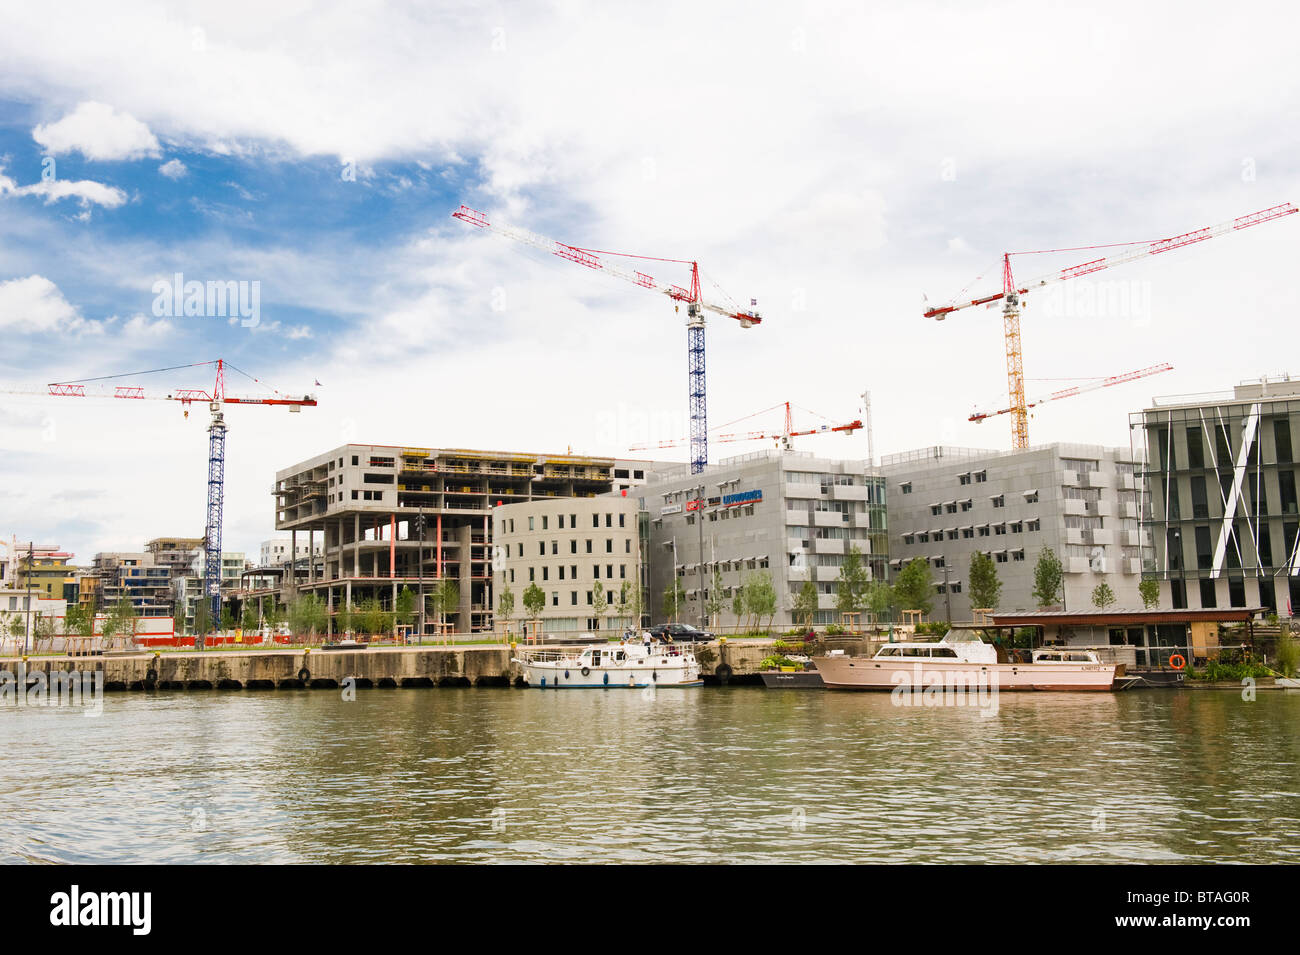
<point>28,630</point>
<point>419,560</point>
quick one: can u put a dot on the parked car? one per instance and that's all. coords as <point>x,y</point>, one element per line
<point>681,633</point>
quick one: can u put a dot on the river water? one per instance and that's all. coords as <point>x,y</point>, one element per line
<point>707,775</point>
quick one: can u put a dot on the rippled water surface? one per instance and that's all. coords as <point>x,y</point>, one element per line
<point>713,775</point>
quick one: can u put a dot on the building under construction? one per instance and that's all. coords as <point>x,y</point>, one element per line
<point>392,517</point>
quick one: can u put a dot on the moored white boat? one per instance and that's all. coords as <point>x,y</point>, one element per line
<point>630,664</point>
<point>961,659</point>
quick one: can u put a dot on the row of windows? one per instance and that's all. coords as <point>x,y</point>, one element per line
<point>969,533</point>
<point>573,547</point>
<point>611,598</point>
<point>573,572</point>
<point>813,477</point>
<point>573,522</point>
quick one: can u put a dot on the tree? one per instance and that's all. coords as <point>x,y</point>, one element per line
<point>227,618</point>
<point>344,619</point>
<point>44,631</point>
<point>760,597</point>
<point>307,615</point>
<point>404,608</point>
<point>738,605</point>
<point>880,597</point>
<point>714,604</point>
<point>805,604</point>
<point>506,604</point>
<point>534,600</point>
<point>446,599</point>
<point>120,620</point>
<point>250,618</point>
<point>80,620</point>
<point>851,588</point>
<point>673,598</point>
<point>624,600</point>
<point>985,587</point>
<point>1102,596</point>
<point>1149,591</point>
<point>598,602</point>
<point>1048,577</point>
<point>202,616</point>
<point>914,589</point>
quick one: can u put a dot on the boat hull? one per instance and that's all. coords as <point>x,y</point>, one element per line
<point>853,673</point>
<point>545,676</point>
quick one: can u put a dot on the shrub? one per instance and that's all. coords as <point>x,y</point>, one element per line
<point>1287,654</point>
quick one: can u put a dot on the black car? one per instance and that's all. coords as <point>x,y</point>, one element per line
<point>680,633</point>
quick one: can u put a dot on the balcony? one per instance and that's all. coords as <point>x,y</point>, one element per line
<point>796,518</point>
<point>1132,565</point>
<point>1097,479</point>
<point>1071,506</point>
<point>1073,535</point>
<point>828,547</point>
<point>1070,478</point>
<point>849,492</point>
<point>829,519</point>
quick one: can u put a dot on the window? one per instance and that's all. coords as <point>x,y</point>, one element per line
<point>983,530</point>
<point>621,520</point>
<point>1282,440</point>
<point>609,520</point>
<point>595,520</point>
<point>1286,491</point>
<point>936,510</point>
<point>560,518</point>
<point>622,571</point>
<point>909,539</point>
<point>521,549</point>
<point>530,523</point>
<point>923,537</point>
<point>609,545</point>
<point>1000,556</point>
<point>999,501</point>
<point>573,598</point>
<point>573,521</point>
<point>1195,451</point>
<point>541,548</point>
<point>963,478</point>
<point>588,545</point>
<point>595,571</point>
<point>555,598</point>
<point>1017,527</point>
<point>1200,504</point>
<point>627,546</point>
<point>1017,555</point>
<point>981,477</point>
<point>546,573</point>
<point>950,507</point>
<point>999,529</point>
<point>573,547</point>
<point>544,522</point>
<point>967,533</point>
<point>573,571</point>
<point>1034,526</point>
<point>1204,557</point>
<point>967,504</point>
<point>531,575</point>
<point>1031,497</point>
<point>1207,594</point>
<point>952,534</point>
<point>905,487</point>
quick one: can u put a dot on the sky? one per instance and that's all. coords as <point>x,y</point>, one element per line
<point>843,165</point>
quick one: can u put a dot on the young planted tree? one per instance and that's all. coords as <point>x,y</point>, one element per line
<point>250,619</point>
<point>505,605</point>
<point>851,588</point>
<point>1102,596</point>
<point>598,602</point>
<point>738,607</point>
<point>673,598</point>
<point>344,619</point>
<point>446,597</point>
<point>624,601</point>
<point>534,601</point>
<point>985,587</point>
<point>119,622</point>
<point>880,599</point>
<point>805,603</point>
<point>202,616</point>
<point>714,604</point>
<point>1149,591</point>
<point>1049,575</point>
<point>227,618</point>
<point>760,597</point>
<point>404,609</point>
<point>914,589</point>
<point>44,632</point>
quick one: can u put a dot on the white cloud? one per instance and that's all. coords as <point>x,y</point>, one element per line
<point>173,169</point>
<point>98,131</point>
<point>140,327</point>
<point>35,304</point>
<point>85,191</point>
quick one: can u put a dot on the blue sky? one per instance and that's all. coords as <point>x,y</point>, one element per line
<point>834,162</point>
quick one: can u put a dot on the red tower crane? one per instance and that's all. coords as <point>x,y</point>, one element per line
<point>782,438</point>
<point>1070,392</point>
<point>215,398</point>
<point>696,306</point>
<point>1012,292</point>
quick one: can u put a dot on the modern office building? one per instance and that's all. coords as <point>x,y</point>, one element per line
<point>365,504</point>
<point>572,549</point>
<point>44,568</point>
<point>785,513</point>
<point>1223,500</point>
<point>1082,501</point>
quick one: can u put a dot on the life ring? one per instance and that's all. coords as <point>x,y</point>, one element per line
<point>304,675</point>
<point>586,671</point>
<point>1182,661</point>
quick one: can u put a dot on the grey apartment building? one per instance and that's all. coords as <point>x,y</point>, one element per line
<point>1083,501</point>
<point>787,513</point>
<point>1223,503</point>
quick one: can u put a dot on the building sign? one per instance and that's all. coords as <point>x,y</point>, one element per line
<point>741,497</point>
<point>693,505</point>
<point>671,509</point>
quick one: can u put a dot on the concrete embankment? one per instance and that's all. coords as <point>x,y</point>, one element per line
<point>734,662</point>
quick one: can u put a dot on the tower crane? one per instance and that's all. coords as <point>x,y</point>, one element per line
<point>782,438</point>
<point>216,399</point>
<point>1012,293</point>
<point>696,306</point>
<point>1070,392</point>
